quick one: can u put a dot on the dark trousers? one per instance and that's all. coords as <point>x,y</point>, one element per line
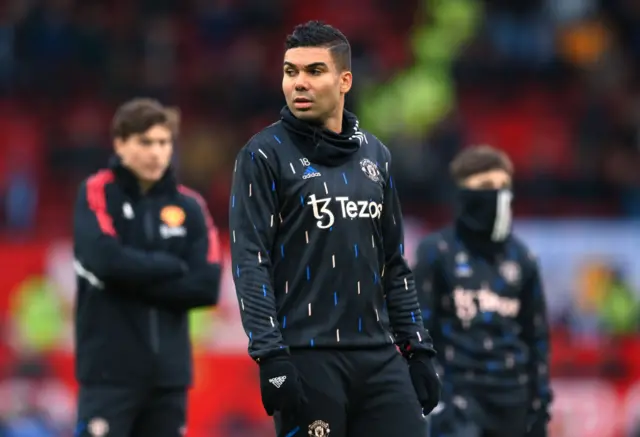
<point>354,393</point>
<point>470,417</point>
<point>131,412</point>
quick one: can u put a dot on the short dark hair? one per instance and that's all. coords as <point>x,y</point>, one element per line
<point>319,34</point>
<point>479,159</point>
<point>139,115</point>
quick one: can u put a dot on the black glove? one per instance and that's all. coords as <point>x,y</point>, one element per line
<point>425,381</point>
<point>280,386</point>
<point>537,422</point>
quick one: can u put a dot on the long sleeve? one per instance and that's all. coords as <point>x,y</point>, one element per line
<point>201,285</point>
<point>424,271</point>
<point>253,219</point>
<point>535,333</point>
<point>401,296</point>
<point>100,256</point>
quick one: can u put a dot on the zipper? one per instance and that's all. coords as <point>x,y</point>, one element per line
<point>153,312</point>
<point>153,328</point>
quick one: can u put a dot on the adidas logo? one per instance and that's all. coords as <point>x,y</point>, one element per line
<point>278,381</point>
<point>310,172</point>
<point>358,134</point>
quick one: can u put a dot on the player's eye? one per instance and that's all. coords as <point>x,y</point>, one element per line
<point>289,72</point>
<point>316,72</point>
<point>488,185</point>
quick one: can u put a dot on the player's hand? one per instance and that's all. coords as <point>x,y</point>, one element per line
<point>425,381</point>
<point>280,386</point>
<point>537,423</point>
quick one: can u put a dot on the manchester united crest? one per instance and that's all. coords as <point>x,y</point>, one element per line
<point>173,216</point>
<point>370,169</point>
<point>98,427</point>
<point>319,428</point>
<point>510,271</point>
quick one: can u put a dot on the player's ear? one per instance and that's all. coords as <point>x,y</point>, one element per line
<point>346,80</point>
<point>119,146</point>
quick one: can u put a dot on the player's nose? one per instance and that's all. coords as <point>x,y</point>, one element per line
<point>301,84</point>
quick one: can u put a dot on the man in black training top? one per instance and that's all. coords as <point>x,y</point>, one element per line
<point>483,302</point>
<point>317,249</point>
<point>146,252</point>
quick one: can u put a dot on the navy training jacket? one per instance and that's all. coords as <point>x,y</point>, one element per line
<point>142,261</point>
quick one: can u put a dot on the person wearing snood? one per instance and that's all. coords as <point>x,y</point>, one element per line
<point>483,303</point>
<point>326,297</point>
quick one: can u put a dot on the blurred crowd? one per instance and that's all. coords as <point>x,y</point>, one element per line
<point>553,82</point>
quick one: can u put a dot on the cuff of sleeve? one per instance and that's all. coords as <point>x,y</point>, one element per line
<point>282,352</point>
<point>412,347</point>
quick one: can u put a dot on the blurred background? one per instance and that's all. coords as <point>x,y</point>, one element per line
<point>555,83</point>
